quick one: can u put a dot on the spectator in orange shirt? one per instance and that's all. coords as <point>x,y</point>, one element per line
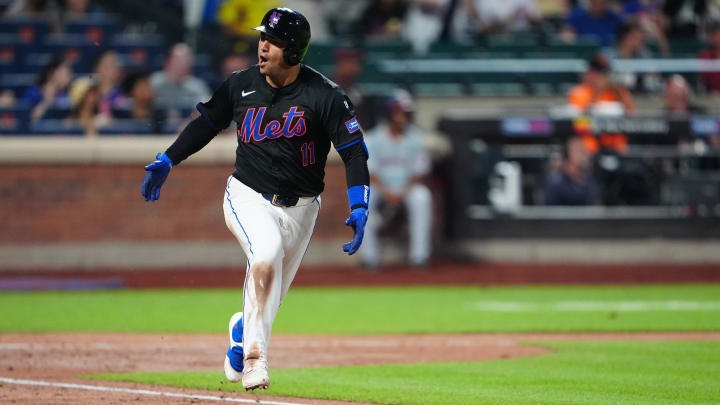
<point>598,95</point>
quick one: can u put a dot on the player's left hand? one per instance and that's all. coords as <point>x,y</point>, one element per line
<point>157,172</point>
<point>356,220</point>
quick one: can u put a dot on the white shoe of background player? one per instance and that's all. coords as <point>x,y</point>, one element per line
<point>234,356</point>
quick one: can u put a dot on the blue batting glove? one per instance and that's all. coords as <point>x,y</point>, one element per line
<point>157,172</point>
<point>357,220</point>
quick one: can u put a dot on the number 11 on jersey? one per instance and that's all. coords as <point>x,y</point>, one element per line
<point>308,153</point>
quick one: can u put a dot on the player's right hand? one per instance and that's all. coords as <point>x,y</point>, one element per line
<point>157,172</point>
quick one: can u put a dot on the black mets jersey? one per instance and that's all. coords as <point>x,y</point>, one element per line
<point>284,134</point>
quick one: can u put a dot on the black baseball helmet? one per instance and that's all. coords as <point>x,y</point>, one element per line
<point>290,27</point>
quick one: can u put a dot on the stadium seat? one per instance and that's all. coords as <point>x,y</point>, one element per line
<point>57,113</point>
<point>126,126</point>
<point>27,30</point>
<point>35,62</point>
<point>489,55</point>
<point>13,120</point>
<point>543,89</point>
<point>377,50</point>
<point>76,47</point>
<point>98,30</point>
<point>455,49</point>
<point>686,46</point>
<point>564,88</point>
<point>494,77</point>
<point>320,53</point>
<point>514,44</point>
<point>497,89</point>
<point>11,53</point>
<point>552,78</point>
<point>547,54</point>
<point>439,89</point>
<point>583,48</point>
<point>139,50</point>
<point>52,126</point>
<point>17,82</point>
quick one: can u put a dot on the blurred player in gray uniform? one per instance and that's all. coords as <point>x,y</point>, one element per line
<point>398,165</point>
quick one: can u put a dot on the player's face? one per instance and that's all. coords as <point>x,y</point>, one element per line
<point>270,55</point>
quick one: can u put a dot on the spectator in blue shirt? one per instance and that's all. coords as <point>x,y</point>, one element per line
<point>51,88</point>
<point>597,20</point>
<point>570,185</point>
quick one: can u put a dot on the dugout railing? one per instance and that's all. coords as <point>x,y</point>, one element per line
<point>675,192</point>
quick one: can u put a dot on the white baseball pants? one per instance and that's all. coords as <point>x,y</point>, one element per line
<point>418,202</point>
<point>275,240</point>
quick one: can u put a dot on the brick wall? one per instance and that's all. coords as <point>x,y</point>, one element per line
<point>75,203</point>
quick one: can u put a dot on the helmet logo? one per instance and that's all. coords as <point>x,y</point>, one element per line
<point>274,19</point>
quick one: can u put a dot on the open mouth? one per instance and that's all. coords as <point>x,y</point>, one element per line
<point>262,61</point>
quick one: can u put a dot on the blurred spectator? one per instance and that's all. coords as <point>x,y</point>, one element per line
<point>137,104</point>
<point>343,16</point>
<point>79,9</point>
<point>85,97</point>
<point>631,45</point>
<point>51,88</point>
<point>684,17</point>
<point>571,185</point>
<point>596,87</point>
<point>237,17</point>
<point>713,12</point>
<point>7,98</point>
<point>48,10</point>
<point>398,162</point>
<point>227,65</point>
<point>597,95</point>
<point>175,87</point>
<point>711,80</point>
<point>383,18</point>
<point>317,13</point>
<point>107,75</point>
<point>94,98</point>
<point>677,98</point>
<point>348,66</point>
<point>598,20</point>
<point>648,16</point>
<point>233,63</point>
<point>678,105</point>
<point>423,23</point>
<point>138,95</point>
<point>346,72</point>
<point>495,17</point>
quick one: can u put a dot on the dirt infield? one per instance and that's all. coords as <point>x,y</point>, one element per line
<point>61,357</point>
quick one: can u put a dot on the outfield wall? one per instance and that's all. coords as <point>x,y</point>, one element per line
<point>75,203</point>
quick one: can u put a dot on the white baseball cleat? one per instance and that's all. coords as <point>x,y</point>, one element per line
<point>230,373</point>
<point>234,357</point>
<point>256,375</point>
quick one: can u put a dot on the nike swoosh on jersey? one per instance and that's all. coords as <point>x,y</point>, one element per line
<point>248,93</point>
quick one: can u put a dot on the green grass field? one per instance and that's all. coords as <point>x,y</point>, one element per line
<point>376,310</point>
<point>602,373</point>
<point>577,373</point>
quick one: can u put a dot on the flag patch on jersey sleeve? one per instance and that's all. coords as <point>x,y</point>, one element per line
<point>352,125</point>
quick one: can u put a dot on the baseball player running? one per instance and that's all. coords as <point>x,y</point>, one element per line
<point>287,114</point>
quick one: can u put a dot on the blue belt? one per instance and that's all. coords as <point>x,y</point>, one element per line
<point>281,200</point>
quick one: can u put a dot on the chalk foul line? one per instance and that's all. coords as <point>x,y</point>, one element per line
<point>36,383</point>
<point>590,306</point>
